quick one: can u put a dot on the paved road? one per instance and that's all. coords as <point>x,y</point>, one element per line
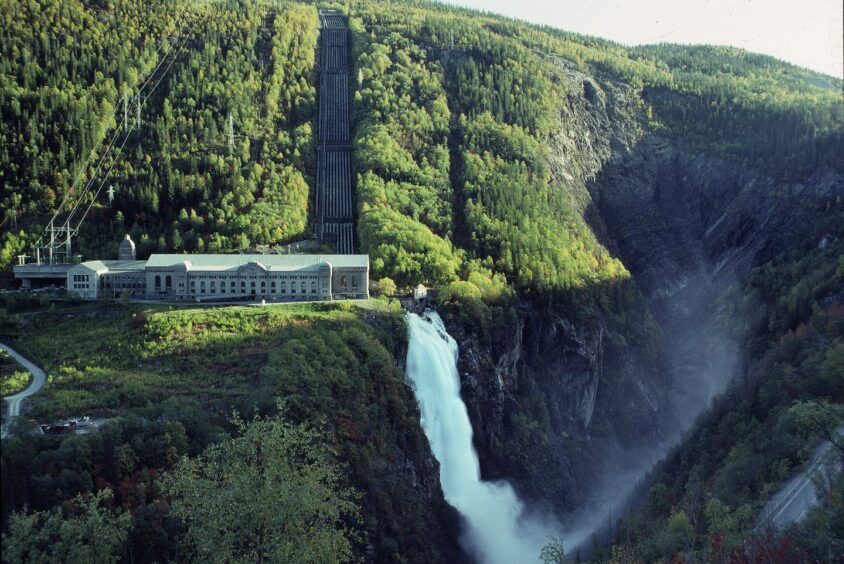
<point>799,495</point>
<point>38,379</point>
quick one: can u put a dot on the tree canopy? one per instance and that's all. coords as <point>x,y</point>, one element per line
<point>268,494</point>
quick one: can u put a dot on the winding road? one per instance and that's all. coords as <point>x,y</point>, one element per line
<point>38,380</point>
<point>800,494</point>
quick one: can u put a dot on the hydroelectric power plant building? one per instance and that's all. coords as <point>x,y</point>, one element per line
<point>218,277</point>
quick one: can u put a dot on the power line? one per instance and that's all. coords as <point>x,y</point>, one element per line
<point>102,183</point>
<point>176,56</point>
<point>180,39</point>
<point>138,122</point>
<point>185,35</point>
<point>96,146</point>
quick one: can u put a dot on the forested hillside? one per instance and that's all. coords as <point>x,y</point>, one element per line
<point>178,183</point>
<point>483,111</point>
<point>703,500</point>
<point>454,175</point>
<point>597,221</point>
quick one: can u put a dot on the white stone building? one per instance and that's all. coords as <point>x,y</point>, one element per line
<point>106,278</point>
<point>221,277</point>
<point>420,292</point>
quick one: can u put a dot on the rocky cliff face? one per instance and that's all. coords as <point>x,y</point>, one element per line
<point>566,408</point>
<point>688,226</point>
<point>553,401</point>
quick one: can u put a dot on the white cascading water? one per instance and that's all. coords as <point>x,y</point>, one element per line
<point>496,529</point>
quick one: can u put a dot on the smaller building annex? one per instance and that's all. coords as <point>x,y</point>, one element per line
<point>106,278</point>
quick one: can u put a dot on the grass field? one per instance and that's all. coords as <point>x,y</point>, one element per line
<point>102,360</point>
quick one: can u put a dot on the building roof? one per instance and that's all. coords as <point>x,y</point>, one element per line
<point>272,262</point>
<point>114,265</point>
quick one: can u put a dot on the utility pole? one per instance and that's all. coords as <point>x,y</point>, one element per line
<point>452,39</point>
<point>139,113</point>
<point>110,194</point>
<point>126,112</point>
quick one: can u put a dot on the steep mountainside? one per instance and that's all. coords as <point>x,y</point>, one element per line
<point>615,236</point>
<point>691,166</point>
<point>223,158</point>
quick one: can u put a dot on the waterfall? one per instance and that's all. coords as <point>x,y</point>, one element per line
<point>496,530</point>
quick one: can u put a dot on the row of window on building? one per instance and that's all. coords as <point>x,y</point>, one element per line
<point>168,280</point>
<point>212,285</point>
<point>122,284</point>
<point>281,289</point>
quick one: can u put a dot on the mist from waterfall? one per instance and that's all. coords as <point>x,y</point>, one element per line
<point>496,526</point>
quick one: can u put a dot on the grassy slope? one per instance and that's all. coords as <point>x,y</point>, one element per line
<point>333,364</point>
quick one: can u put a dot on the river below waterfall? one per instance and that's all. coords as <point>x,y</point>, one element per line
<point>496,528</point>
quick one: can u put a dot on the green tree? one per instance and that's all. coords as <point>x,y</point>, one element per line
<point>84,532</point>
<point>681,532</point>
<point>269,494</point>
<point>553,553</point>
<point>819,419</point>
<point>729,524</point>
<point>387,286</point>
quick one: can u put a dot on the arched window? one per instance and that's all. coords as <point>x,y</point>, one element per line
<point>222,287</point>
<point>242,287</point>
<point>252,286</point>
<point>263,285</point>
<point>313,287</point>
<point>283,287</point>
<point>157,282</point>
<point>213,287</point>
<point>354,281</point>
<point>233,286</point>
<point>343,281</point>
<point>303,287</point>
<point>272,286</point>
<point>202,287</point>
<point>168,282</point>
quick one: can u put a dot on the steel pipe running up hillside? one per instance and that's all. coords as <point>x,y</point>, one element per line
<point>334,22</point>
<point>334,109</point>
<point>39,377</point>
<point>335,202</point>
<point>334,53</point>
<point>334,194</point>
<point>342,233</point>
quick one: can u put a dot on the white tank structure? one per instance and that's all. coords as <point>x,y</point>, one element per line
<point>127,251</point>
